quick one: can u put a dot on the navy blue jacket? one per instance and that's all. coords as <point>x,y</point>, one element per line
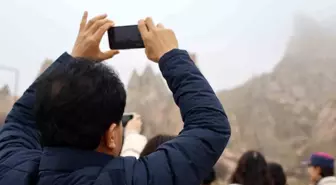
<point>185,160</point>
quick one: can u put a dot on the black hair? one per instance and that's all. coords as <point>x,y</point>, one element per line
<point>76,104</point>
<point>277,173</point>
<point>251,170</point>
<point>326,172</point>
<point>154,143</point>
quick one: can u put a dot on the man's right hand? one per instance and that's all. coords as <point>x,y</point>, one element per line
<point>89,37</point>
<point>157,39</point>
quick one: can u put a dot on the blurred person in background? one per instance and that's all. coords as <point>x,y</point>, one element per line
<point>321,169</point>
<point>277,174</point>
<point>251,170</point>
<point>134,142</point>
<point>74,134</point>
<point>154,143</point>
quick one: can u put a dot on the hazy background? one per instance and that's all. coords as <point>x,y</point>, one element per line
<point>286,113</point>
<point>233,39</point>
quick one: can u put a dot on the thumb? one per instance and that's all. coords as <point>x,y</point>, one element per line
<point>109,54</point>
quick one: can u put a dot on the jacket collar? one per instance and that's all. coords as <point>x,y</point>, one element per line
<point>68,159</point>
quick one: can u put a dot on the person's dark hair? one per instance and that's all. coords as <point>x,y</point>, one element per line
<point>251,170</point>
<point>77,103</point>
<point>277,174</point>
<point>327,172</point>
<point>154,143</point>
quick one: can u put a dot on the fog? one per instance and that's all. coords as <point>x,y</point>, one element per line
<point>233,39</point>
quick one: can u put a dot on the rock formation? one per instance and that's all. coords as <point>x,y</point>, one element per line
<point>147,94</point>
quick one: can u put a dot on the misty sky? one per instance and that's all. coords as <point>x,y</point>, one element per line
<point>234,39</point>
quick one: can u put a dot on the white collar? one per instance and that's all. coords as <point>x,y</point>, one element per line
<point>327,179</point>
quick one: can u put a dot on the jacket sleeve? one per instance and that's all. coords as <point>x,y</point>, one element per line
<point>190,157</point>
<point>19,131</point>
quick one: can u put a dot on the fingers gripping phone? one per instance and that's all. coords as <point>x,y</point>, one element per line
<point>126,118</point>
<point>125,37</point>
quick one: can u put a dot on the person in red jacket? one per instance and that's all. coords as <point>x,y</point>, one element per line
<point>65,129</point>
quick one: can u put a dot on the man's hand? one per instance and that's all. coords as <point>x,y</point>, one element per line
<point>135,124</point>
<point>89,37</point>
<point>157,39</point>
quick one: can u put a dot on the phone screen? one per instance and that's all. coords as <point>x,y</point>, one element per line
<point>125,37</point>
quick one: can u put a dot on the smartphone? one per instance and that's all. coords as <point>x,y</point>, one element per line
<point>126,118</point>
<point>125,37</point>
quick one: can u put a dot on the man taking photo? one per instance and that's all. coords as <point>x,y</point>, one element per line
<point>66,129</point>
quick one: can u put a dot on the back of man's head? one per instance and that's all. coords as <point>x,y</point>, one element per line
<point>77,103</point>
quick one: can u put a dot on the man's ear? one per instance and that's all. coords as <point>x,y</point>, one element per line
<point>110,137</point>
